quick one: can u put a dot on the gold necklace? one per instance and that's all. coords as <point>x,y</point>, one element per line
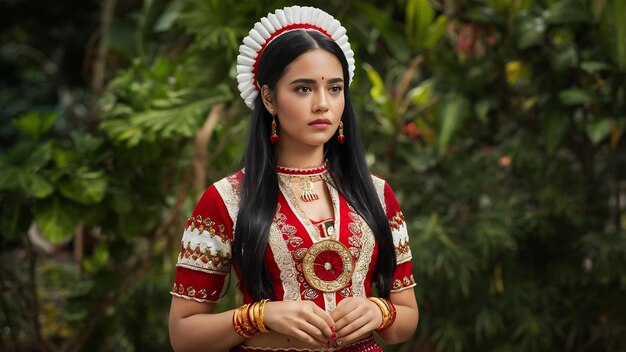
<point>306,186</point>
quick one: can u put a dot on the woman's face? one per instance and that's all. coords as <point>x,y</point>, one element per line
<point>309,100</point>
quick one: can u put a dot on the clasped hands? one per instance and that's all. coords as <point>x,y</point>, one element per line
<point>351,320</point>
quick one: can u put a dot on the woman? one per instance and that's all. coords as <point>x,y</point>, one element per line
<point>309,231</point>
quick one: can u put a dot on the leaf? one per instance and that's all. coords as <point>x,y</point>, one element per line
<point>419,16</point>
<point>422,94</point>
<point>381,21</point>
<point>55,220</point>
<point>168,17</point>
<point>378,87</point>
<point>86,143</point>
<point>595,66</point>
<point>85,187</point>
<point>565,57</point>
<point>9,178</point>
<point>63,157</point>
<point>574,96</point>
<point>35,124</point>
<point>98,259</point>
<point>531,31</point>
<point>567,11</point>
<point>380,97</point>
<point>618,10</point>
<point>598,129</point>
<point>482,108</point>
<point>555,127</point>
<point>435,31</point>
<point>180,120</point>
<point>35,185</point>
<point>482,15</point>
<point>453,110</point>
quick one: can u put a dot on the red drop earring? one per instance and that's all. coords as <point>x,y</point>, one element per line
<point>341,138</point>
<point>274,136</point>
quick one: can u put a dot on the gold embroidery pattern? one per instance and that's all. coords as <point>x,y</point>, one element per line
<point>397,220</point>
<point>283,257</point>
<point>313,259</point>
<point>360,235</point>
<point>191,293</point>
<point>203,224</point>
<point>406,282</point>
<point>228,188</point>
<point>403,248</point>
<point>294,241</point>
<point>220,260</point>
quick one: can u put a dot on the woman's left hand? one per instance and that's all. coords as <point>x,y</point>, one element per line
<point>355,317</point>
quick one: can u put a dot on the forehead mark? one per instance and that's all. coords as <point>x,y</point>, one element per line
<point>322,78</point>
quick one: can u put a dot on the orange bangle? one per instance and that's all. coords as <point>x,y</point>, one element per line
<point>260,316</point>
<point>237,324</point>
<point>388,311</point>
<point>248,319</point>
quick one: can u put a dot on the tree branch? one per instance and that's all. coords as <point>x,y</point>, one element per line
<point>34,311</point>
<point>200,149</point>
<point>99,65</point>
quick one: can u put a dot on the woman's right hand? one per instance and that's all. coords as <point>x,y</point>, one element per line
<point>303,320</point>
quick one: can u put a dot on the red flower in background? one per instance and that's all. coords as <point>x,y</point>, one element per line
<point>505,161</point>
<point>466,38</point>
<point>411,130</point>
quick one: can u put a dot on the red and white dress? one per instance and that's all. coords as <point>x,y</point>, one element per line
<point>323,262</point>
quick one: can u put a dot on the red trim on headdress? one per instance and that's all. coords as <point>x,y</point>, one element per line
<point>276,34</point>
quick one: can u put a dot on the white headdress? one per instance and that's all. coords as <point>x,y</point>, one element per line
<point>275,24</point>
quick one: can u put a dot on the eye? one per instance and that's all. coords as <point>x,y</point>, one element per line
<point>303,89</point>
<point>336,89</point>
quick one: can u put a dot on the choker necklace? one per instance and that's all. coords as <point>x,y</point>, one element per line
<point>306,178</point>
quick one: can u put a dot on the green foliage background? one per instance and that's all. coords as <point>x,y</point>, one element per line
<point>498,123</point>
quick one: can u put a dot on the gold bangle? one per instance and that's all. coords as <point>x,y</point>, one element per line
<point>260,317</point>
<point>238,325</point>
<point>247,324</point>
<point>250,314</point>
<point>384,310</point>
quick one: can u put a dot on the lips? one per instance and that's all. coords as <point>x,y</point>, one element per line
<point>320,122</point>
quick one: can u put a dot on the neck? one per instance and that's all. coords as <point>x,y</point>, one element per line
<point>300,158</point>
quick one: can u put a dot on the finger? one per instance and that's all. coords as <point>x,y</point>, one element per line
<point>348,318</point>
<point>345,306</point>
<point>314,332</point>
<point>354,324</point>
<point>325,321</point>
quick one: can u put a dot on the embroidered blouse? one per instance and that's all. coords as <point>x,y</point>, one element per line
<point>323,262</point>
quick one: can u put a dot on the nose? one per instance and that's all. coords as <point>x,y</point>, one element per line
<point>321,102</point>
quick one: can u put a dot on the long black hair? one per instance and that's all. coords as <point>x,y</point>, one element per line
<point>346,164</point>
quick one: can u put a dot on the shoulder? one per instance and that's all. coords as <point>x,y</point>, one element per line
<point>227,187</point>
<point>385,193</point>
<point>221,197</point>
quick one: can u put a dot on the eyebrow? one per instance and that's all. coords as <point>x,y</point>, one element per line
<point>312,81</point>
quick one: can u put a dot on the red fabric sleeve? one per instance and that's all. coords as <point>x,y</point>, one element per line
<point>205,252</point>
<point>403,276</point>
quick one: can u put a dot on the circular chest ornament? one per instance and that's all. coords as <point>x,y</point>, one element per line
<point>327,266</point>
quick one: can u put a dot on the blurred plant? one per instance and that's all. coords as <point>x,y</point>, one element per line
<point>513,134</point>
